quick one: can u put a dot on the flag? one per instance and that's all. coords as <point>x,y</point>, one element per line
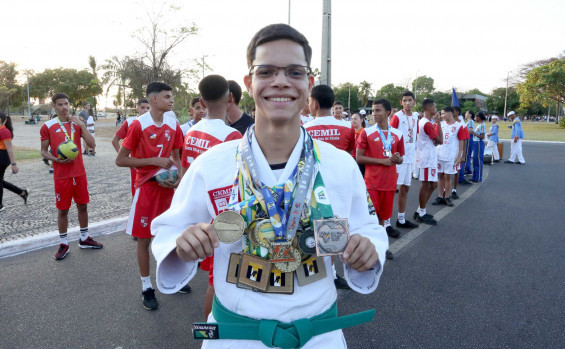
<point>454,100</point>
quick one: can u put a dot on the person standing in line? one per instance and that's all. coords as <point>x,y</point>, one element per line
<point>406,121</point>
<point>459,178</point>
<point>470,119</point>
<point>429,136</point>
<point>337,110</point>
<point>478,147</point>
<point>151,140</point>
<point>236,117</point>
<point>83,116</point>
<point>7,158</point>
<point>516,140</point>
<point>492,143</point>
<point>69,175</point>
<point>359,125</point>
<point>305,116</point>
<point>90,128</point>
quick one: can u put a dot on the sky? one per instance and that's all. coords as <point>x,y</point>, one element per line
<point>461,44</point>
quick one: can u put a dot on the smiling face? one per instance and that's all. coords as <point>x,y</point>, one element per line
<point>280,98</point>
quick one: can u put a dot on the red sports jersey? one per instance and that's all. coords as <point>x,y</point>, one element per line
<point>203,136</point>
<point>147,140</point>
<point>52,131</point>
<point>5,135</point>
<point>338,133</point>
<point>123,130</point>
<point>379,177</point>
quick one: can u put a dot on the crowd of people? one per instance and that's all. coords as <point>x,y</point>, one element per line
<point>283,169</point>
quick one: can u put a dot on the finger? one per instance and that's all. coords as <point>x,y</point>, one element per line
<point>356,255</point>
<point>196,243</point>
<point>351,246</point>
<point>364,261</point>
<point>204,242</point>
<point>184,249</point>
<point>209,229</point>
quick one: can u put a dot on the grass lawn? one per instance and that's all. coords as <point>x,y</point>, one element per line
<point>535,131</point>
<point>26,154</point>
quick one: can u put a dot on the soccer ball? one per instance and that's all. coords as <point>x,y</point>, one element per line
<point>169,176</point>
<point>67,150</point>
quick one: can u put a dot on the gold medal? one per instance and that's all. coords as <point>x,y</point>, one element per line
<point>230,226</point>
<point>290,265</point>
<point>263,233</point>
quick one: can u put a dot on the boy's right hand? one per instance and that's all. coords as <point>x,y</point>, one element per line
<point>197,242</point>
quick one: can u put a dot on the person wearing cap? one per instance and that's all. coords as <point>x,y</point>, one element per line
<point>516,140</point>
<point>493,139</point>
<point>362,112</point>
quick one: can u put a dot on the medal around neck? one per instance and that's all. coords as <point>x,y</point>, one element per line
<point>291,265</point>
<point>332,236</point>
<point>230,226</point>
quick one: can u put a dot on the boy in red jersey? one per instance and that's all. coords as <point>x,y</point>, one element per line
<point>69,175</point>
<point>429,135</point>
<point>381,147</point>
<point>326,128</point>
<point>151,140</point>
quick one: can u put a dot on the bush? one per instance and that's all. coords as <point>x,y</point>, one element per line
<point>562,122</point>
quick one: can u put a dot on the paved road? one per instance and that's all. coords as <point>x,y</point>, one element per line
<point>489,275</point>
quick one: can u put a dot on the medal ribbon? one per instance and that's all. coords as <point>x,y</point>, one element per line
<point>65,130</point>
<point>387,143</point>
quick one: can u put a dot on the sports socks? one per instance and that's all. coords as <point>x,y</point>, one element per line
<point>421,211</point>
<point>63,238</point>
<point>83,233</point>
<point>387,223</point>
<point>146,283</point>
<point>454,190</point>
<point>335,272</point>
<point>401,217</point>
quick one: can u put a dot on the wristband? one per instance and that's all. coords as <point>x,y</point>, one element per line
<point>13,164</point>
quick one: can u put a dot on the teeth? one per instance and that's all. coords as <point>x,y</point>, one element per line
<point>280,99</point>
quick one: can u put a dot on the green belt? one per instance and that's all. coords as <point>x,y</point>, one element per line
<point>278,334</point>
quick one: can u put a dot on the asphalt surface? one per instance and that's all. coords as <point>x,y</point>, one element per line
<point>489,275</point>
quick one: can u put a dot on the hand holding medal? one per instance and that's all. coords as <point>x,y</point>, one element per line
<point>197,242</point>
<point>360,253</point>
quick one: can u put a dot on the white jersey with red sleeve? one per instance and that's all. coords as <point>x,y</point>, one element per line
<point>147,140</point>
<point>427,153</point>
<point>123,130</point>
<point>452,134</point>
<point>338,133</point>
<point>408,125</point>
<point>203,136</point>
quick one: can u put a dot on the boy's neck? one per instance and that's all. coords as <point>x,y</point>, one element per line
<point>63,118</point>
<point>383,125</point>
<point>277,141</point>
<point>407,112</point>
<point>157,116</point>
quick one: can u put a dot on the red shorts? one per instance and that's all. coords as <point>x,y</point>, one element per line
<point>149,201</point>
<point>383,202</point>
<point>208,265</point>
<point>75,188</point>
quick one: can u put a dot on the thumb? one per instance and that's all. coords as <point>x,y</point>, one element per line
<point>212,234</point>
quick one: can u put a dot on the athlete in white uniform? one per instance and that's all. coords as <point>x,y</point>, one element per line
<point>184,235</point>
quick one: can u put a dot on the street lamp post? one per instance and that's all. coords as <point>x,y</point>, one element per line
<point>326,78</point>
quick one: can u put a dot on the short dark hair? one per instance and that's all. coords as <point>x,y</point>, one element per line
<point>324,95</point>
<point>448,110</point>
<point>141,101</point>
<point>194,101</point>
<point>457,109</point>
<point>85,103</point>
<point>427,102</point>
<point>408,94</point>
<point>59,95</point>
<point>156,87</point>
<point>385,103</point>
<point>338,103</point>
<point>7,120</point>
<point>235,91</point>
<point>275,32</point>
<point>471,112</point>
<point>481,115</point>
<point>213,87</point>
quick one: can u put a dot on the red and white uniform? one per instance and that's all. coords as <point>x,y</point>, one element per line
<point>203,136</point>
<point>121,134</point>
<point>379,179</point>
<point>304,119</point>
<point>338,133</point>
<point>70,179</point>
<point>147,140</point>
<point>408,125</point>
<point>448,151</point>
<point>426,154</point>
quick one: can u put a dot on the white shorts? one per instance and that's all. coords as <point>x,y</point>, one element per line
<point>447,167</point>
<point>428,174</point>
<point>404,174</point>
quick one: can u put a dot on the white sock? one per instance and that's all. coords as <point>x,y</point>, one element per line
<point>453,190</point>
<point>63,238</point>
<point>421,211</point>
<point>387,223</point>
<point>335,272</point>
<point>401,217</point>
<point>146,283</point>
<point>83,234</point>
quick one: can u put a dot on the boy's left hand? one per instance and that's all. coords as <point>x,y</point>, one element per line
<point>360,253</point>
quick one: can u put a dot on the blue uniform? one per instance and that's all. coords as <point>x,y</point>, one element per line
<point>471,127</point>
<point>478,153</point>
<point>494,133</point>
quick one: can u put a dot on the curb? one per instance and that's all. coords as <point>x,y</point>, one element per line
<point>16,247</point>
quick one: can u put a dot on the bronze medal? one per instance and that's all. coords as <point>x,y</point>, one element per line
<point>229,226</point>
<point>291,265</point>
<point>311,270</point>
<point>332,236</point>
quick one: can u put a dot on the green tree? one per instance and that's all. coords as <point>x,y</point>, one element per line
<point>469,105</point>
<point>116,75</point>
<point>391,93</point>
<point>341,93</point>
<point>365,91</point>
<point>476,91</point>
<point>246,103</point>
<point>79,85</point>
<point>495,102</point>
<point>544,84</point>
<point>423,87</point>
<point>442,99</point>
<point>8,84</point>
<point>94,70</point>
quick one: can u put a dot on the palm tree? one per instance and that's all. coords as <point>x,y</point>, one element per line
<point>94,69</point>
<point>365,89</point>
<point>116,74</point>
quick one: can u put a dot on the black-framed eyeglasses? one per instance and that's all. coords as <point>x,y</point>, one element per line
<point>293,71</point>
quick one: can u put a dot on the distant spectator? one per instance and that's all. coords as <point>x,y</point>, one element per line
<point>7,158</point>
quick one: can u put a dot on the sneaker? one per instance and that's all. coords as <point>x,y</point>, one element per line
<point>508,162</point>
<point>25,196</point>
<point>406,224</point>
<point>448,202</point>
<point>50,170</point>
<point>148,299</point>
<point>428,219</point>
<point>389,255</point>
<point>454,195</point>
<point>393,233</point>
<point>439,201</point>
<point>89,243</point>
<point>465,182</point>
<point>340,283</point>
<point>185,289</point>
<point>62,252</point>
<point>520,163</point>
<point>416,215</point>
